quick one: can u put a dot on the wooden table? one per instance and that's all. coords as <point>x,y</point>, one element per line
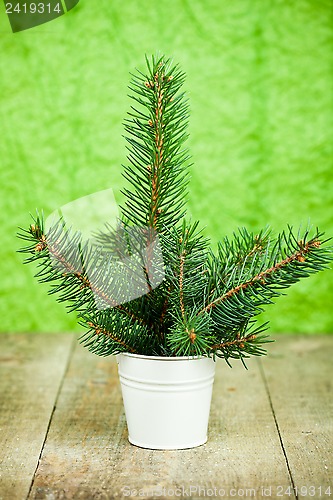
<point>63,432</point>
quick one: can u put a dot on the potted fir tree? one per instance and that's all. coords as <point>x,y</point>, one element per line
<point>152,292</point>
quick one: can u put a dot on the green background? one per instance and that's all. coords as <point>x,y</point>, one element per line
<point>260,84</point>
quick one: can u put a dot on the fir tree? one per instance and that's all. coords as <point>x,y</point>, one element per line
<point>206,303</point>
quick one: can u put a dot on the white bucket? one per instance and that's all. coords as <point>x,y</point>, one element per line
<point>166,400</point>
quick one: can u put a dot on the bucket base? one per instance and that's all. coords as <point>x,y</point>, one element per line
<point>167,447</point>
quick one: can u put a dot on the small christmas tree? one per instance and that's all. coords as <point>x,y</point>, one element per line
<point>192,301</point>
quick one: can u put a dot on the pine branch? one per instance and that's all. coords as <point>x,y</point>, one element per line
<point>190,336</point>
<point>304,248</point>
<point>108,332</point>
<point>181,277</point>
<point>244,251</point>
<point>165,304</point>
<point>187,257</point>
<point>158,171</point>
<point>246,342</point>
<point>191,302</point>
<point>57,256</point>
<point>98,330</point>
<point>248,288</point>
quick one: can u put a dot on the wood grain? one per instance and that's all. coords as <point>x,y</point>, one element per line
<point>299,381</point>
<point>270,427</point>
<point>31,371</point>
<point>87,437</point>
<point>87,454</point>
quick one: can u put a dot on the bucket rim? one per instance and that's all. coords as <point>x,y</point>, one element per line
<point>163,358</point>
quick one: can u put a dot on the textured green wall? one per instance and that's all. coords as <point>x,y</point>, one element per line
<point>260,83</point>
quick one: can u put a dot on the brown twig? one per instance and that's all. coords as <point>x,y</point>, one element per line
<point>103,331</point>
<point>257,247</point>
<point>70,269</point>
<point>165,305</point>
<point>238,341</point>
<point>158,124</point>
<point>181,277</point>
<point>299,256</point>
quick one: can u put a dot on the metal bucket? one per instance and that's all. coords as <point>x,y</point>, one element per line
<point>166,400</point>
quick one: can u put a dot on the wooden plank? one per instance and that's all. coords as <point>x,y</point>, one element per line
<point>87,454</point>
<point>299,380</point>
<point>31,370</point>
